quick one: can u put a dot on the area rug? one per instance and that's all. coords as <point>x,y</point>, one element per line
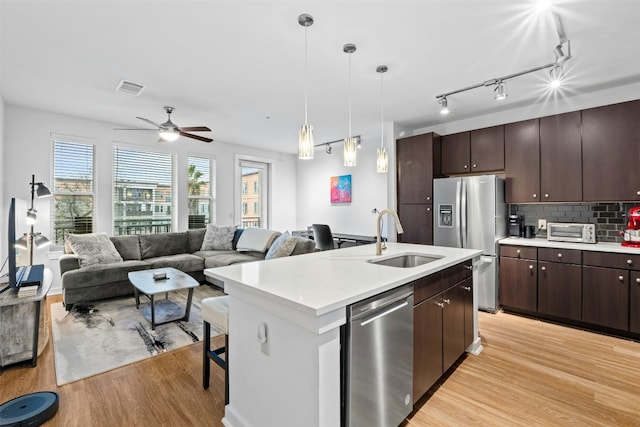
<point>104,335</point>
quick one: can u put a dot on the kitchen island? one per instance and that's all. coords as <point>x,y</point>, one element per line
<point>285,318</point>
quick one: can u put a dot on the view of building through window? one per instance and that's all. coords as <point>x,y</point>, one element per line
<point>73,187</point>
<point>200,190</point>
<point>254,194</point>
<point>142,191</point>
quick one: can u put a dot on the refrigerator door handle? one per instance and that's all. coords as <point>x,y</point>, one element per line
<point>457,213</point>
<point>463,214</point>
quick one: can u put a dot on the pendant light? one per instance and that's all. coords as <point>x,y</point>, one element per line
<point>350,143</point>
<point>382,157</point>
<point>305,138</point>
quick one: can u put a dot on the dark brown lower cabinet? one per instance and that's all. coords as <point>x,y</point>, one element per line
<point>634,302</point>
<point>427,345</point>
<point>442,326</point>
<point>417,222</point>
<point>560,290</point>
<point>605,297</point>
<point>518,283</point>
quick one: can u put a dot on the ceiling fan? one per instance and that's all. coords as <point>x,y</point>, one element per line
<point>169,131</point>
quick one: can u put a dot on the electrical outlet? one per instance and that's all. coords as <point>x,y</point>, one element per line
<point>542,224</point>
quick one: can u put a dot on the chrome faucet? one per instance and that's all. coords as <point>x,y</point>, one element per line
<point>379,228</point>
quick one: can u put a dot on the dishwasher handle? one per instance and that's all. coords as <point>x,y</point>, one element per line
<point>388,309</point>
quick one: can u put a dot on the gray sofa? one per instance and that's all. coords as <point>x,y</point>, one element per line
<point>180,250</point>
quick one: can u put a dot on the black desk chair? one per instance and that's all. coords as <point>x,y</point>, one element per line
<point>323,237</point>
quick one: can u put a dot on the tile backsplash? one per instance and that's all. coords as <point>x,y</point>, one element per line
<point>610,218</point>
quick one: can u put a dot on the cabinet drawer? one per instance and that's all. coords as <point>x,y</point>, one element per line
<point>426,287</point>
<point>611,260</point>
<point>569,256</point>
<point>456,274</point>
<point>522,252</point>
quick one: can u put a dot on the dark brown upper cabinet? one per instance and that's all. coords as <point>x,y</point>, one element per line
<point>522,161</point>
<point>456,153</point>
<point>611,152</point>
<point>487,149</point>
<point>417,163</point>
<point>561,158</point>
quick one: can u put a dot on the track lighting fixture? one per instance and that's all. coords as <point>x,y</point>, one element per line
<point>500,89</point>
<point>444,105</point>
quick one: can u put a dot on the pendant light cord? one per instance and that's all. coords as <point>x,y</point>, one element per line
<point>381,110</point>
<point>305,75</point>
<point>349,95</point>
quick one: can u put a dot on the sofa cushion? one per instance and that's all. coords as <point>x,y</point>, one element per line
<point>227,258</point>
<point>127,246</point>
<point>162,244</point>
<point>236,237</point>
<point>93,248</point>
<point>257,239</point>
<point>281,247</point>
<point>194,239</point>
<point>218,238</point>
<point>101,274</point>
<point>183,262</point>
<point>303,246</point>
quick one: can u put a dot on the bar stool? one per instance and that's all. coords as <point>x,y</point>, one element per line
<point>215,311</point>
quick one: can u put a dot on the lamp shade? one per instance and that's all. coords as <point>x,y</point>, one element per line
<point>43,191</point>
<point>169,134</point>
<point>32,216</point>
<point>305,142</point>
<point>350,151</point>
<point>39,241</point>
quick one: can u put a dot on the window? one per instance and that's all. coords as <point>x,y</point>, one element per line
<point>254,175</point>
<point>201,187</point>
<point>73,187</point>
<point>142,191</point>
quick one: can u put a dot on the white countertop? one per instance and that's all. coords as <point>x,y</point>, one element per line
<point>595,247</point>
<point>321,282</point>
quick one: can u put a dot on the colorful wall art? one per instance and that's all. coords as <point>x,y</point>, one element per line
<point>341,189</point>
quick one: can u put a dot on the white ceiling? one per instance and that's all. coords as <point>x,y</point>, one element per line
<point>237,66</point>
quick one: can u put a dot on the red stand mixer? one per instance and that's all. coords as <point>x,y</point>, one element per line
<point>632,233</point>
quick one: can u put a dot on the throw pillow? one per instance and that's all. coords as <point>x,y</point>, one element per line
<point>286,248</point>
<point>256,239</point>
<point>218,238</point>
<point>275,246</point>
<point>94,248</point>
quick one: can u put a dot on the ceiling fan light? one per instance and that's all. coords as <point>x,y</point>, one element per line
<point>169,134</point>
<point>305,142</point>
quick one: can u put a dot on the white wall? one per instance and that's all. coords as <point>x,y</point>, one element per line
<point>27,151</point>
<point>369,189</point>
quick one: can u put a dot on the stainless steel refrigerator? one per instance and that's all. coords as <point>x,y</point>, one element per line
<point>470,212</point>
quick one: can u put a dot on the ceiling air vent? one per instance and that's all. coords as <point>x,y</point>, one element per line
<point>130,87</point>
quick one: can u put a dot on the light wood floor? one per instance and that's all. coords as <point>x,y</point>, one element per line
<point>529,373</point>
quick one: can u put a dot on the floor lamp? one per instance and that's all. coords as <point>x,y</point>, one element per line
<point>28,241</point>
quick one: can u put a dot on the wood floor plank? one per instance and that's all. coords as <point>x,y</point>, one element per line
<point>529,373</point>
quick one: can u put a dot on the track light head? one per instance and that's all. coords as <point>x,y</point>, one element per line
<point>500,91</point>
<point>444,106</point>
<point>556,74</point>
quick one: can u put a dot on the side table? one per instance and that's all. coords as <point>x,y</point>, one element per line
<point>23,328</point>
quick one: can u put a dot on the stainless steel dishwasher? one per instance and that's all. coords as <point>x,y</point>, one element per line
<point>379,360</point>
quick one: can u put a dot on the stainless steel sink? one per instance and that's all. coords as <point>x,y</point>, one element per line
<point>406,260</point>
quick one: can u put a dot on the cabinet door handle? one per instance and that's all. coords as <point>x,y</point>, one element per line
<point>518,251</point>
<point>546,195</point>
<point>638,193</point>
<point>466,167</point>
<point>638,280</point>
<point>531,267</point>
<point>559,255</point>
<point>543,268</point>
<point>446,301</point>
<point>630,261</point>
<point>468,288</point>
<point>621,278</point>
<point>428,209</point>
<point>439,304</point>
<point>535,195</point>
<point>428,198</point>
<point>469,267</point>
<point>475,165</point>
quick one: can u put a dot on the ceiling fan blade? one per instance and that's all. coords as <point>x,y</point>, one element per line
<point>149,121</point>
<point>198,137</point>
<point>155,130</point>
<point>194,129</point>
